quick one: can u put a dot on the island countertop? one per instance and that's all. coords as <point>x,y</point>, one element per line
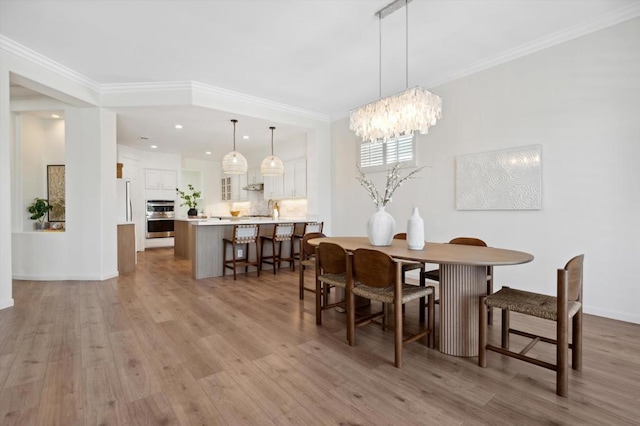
<point>242,221</point>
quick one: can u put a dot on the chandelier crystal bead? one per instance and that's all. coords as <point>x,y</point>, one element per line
<point>272,165</point>
<point>234,163</point>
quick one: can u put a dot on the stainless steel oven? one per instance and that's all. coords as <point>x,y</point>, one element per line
<point>160,216</point>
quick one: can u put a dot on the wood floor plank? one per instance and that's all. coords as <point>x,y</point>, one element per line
<point>62,402</point>
<point>136,375</point>
<point>157,347</point>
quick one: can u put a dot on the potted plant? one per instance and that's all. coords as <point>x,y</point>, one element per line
<point>38,208</point>
<point>190,200</point>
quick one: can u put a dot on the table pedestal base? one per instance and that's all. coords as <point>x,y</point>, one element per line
<point>460,289</point>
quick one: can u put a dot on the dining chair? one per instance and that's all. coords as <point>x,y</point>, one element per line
<point>243,237</point>
<point>411,266</point>
<point>300,230</point>
<point>331,271</point>
<point>281,232</point>
<point>374,275</point>
<point>307,259</point>
<point>434,275</point>
<point>565,306</point>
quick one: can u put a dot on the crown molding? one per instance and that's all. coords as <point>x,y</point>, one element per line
<point>145,87</point>
<point>604,21</point>
<point>34,57</point>
<point>213,90</point>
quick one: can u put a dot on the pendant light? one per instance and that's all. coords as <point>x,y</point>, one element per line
<point>272,165</point>
<point>413,110</point>
<point>234,163</point>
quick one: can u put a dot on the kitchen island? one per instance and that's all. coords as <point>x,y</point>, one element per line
<point>200,240</point>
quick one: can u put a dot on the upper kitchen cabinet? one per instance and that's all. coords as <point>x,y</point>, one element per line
<point>254,176</point>
<point>273,187</point>
<point>231,186</point>
<point>160,179</point>
<point>295,178</point>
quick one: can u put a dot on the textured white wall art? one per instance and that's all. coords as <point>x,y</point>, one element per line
<point>508,179</point>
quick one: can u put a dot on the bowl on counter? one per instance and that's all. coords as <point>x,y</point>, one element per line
<point>235,213</point>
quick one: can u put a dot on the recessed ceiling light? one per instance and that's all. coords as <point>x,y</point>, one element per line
<point>178,126</point>
<point>245,137</point>
<point>154,146</point>
<point>208,152</point>
<point>55,116</point>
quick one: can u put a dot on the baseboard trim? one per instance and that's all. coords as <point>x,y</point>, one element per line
<point>621,316</point>
<point>6,303</point>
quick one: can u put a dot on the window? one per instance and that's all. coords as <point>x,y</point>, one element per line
<point>378,156</point>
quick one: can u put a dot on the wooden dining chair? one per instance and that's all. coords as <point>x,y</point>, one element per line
<point>412,266</point>
<point>331,271</point>
<point>244,236</point>
<point>565,306</point>
<point>374,275</point>
<point>307,259</point>
<point>434,275</point>
<point>282,232</point>
<point>299,232</point>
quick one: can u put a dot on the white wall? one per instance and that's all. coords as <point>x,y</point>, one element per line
<point>580,101</point>
<point>87,250</point>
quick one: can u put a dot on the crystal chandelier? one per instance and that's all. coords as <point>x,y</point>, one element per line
<point>413,110</point>
<point>272,165</point>
<point>234,163</point>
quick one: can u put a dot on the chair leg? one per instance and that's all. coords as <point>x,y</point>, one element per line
<point>261,254</point>
<point>576,339</point>
<point>301,281</point>
<point>233,256</point>
<point>273,250</point>
<point>398,334</point>
<point>351,317</point>
<point>489,308</point>
<point>318,299</point>
<point>505,328</point>
<point>431,322</point>
<point>482,340</point>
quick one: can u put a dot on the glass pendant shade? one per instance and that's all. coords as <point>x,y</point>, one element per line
<point>234,163</point>
<point>272,165</point>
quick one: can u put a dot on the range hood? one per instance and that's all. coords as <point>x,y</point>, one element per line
<point>254,187</point>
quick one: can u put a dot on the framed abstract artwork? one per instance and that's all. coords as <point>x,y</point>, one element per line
<point>508,179</point>
<point>56,192</point>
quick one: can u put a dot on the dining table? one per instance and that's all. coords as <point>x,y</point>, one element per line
<point>463,279</point>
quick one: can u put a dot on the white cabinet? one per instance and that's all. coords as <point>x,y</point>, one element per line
<point>293,184</point>
<point>273,187</point>
<point>231,188</point>
<point>295,178</point>
<point>160,179</point>
<point>254,176</point>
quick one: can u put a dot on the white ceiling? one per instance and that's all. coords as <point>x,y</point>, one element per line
<point>317,55</point>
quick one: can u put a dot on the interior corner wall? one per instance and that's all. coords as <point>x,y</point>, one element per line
<point>6,282</point>
<point>579,100</point>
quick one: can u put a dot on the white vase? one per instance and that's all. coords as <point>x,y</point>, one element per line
<point>381,228</point>
<point>415,231</point>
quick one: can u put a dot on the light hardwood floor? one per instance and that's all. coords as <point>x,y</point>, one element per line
<point>157,347</point>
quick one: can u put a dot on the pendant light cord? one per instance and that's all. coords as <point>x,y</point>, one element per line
<point>380,56</point>
<point>406,6</point>
<point>272,129</point>
<point>234,121</point>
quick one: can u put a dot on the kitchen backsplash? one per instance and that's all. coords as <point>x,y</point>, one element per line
<point>289,209</point>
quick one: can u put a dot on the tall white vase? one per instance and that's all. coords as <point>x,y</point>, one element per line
<point>415,231</point>
<point>381,228</point>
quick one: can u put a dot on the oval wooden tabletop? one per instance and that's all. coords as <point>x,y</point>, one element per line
<point>451,254</point>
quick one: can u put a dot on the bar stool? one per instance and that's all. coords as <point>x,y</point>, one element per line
<point>300,230</point>
<point>243,236</point>
<point>281,232</point>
